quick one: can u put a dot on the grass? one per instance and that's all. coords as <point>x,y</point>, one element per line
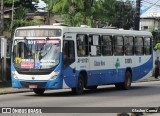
<point>5,84</point>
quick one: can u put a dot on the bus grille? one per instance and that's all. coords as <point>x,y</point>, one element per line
<point>39,84</point>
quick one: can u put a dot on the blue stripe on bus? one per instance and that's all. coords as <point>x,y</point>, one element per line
<point>108,76</point>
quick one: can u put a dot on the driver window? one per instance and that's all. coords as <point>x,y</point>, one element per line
<point>68,49</point>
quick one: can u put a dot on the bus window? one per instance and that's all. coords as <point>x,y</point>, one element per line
<point>128,46</point>
<point>118,45</point>
<point>147,45</point>
<point>82,45</point>
<point>21,50</point>
<point>68,53</point>
<point>138,42</point>
<point>95,45</point>
<point>106,45</point>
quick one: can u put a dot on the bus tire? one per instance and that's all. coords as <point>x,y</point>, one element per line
<point>118,86</point>
<point>127,82</point>
<point>92,87</point>
<point>80,86</point>
<point>39,91</point>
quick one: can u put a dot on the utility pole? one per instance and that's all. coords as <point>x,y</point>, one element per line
<point>137,17</point>
<point>49,13</point>
<point>1,18</point>
<point>12,16</point>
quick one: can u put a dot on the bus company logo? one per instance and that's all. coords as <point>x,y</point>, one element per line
<point>6,110</point>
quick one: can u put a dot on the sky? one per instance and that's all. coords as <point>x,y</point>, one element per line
<point>149,8</point>
<point>41,4</point>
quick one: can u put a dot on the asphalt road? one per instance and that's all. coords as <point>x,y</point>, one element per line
<point>142,94</point>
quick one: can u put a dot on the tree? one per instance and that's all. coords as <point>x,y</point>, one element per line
<point>21,20</point>
<point>21,8</point>
<point>156,36</point>
<point>77,12</point>
<point>119,14</point>
<point>107,13</point>
<point>93,12</point>
<point>20,3</point>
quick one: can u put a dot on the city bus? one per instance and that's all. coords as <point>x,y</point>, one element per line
<point>59,56</point>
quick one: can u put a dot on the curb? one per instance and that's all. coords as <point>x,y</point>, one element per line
<point>148,79</point>
<point>10,90</point>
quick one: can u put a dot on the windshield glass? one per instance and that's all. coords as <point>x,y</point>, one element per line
<point>36,54</point>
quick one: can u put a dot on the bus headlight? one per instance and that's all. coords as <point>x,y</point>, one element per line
<point>55,75</point>
<point>14,75</point>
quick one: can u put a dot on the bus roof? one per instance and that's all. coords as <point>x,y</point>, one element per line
<point>91,30</point>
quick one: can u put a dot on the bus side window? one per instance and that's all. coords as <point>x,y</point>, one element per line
<point>147,45</point>
<point>138,42</point>
<point>118,45</point>
<point>128,45</point>
<point>95,45</point>
<point>82,45</point>
<point>106,45</point>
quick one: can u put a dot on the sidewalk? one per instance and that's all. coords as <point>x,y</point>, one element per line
<point>9,90</point>
<point>149,79</point>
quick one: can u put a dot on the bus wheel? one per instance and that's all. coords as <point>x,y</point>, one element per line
<point>92,87</point>
<point>127,82</point>
<point>80,85</point>
<point>39,91</point>
<point>118,86</point>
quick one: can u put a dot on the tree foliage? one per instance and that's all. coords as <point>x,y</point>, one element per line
<point>20,3</point>
<point>76,12</point>
<point>93,12</point>
<point>156,36</point>
<point>20,18</point>
<point>124,15</point>
<point>21,8</point>
<point>10,1</point>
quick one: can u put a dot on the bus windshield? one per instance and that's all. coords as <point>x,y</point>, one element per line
<point>36,54</point>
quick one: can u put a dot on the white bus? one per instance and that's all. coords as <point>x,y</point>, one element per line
<point>55,57</point>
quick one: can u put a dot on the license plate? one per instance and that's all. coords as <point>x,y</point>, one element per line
<point>32,86</point>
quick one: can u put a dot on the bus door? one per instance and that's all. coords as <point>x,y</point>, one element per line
<point>69,69</point>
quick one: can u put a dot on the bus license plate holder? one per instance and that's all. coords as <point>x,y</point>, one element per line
<point>33,86</point>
